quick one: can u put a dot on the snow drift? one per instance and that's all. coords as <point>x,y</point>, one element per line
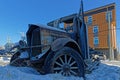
<point>103,72</point>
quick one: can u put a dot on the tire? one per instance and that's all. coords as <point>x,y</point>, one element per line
<point>66,61</point>
<point>16,61</point>
<point>15,56</point>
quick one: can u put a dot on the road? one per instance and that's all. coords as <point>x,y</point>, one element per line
<point>114,63</point>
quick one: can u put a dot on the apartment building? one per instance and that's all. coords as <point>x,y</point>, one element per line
<point>101,24</point>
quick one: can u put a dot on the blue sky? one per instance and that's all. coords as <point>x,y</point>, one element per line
<point>15,15</point>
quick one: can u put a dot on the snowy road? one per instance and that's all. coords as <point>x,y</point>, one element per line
<point>107,70</point>
<point>115,63</point>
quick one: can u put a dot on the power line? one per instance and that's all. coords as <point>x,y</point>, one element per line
<point>104,31</point>
<point>94,23</point>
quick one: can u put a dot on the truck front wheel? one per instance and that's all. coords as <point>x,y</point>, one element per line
<point>67,62</point>
<point>16,61</point>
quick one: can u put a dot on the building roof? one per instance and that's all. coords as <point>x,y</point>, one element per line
<point>69,18</point>
<point>101,7</point>
<point>105,8</point>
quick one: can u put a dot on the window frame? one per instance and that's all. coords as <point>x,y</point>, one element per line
<point>89,19</point>
<point>96,40</point>
<point>95,28</point>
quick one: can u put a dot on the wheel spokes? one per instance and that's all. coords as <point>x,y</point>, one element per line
<point>61,72</point>
<point>69,60</point>
<point>69,73</point>
<point>65,59</point>
<point>73,72</point>
<point>61,60</point>
<point>65,65</point>
<point>73,67</point>
<point>58,68</point>
<point>59,64</point>
<point>72,63</point>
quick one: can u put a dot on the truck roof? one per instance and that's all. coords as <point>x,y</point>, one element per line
<point>47,27</point>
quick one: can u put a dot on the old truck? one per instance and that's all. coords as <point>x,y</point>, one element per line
<point>49,49</point>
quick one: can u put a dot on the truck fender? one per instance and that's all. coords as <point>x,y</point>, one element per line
<point>62,42</point>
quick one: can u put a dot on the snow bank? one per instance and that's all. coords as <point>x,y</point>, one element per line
<point>4,60</point>
<point>13,73</point>
<point>103,72</point>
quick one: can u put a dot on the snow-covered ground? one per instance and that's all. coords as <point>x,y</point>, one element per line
<point>107,70</point>
<point>4,60</point>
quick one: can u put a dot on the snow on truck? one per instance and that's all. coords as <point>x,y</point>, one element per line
<point>52,50</point>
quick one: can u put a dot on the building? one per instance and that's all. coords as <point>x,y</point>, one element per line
<point>101,23</point>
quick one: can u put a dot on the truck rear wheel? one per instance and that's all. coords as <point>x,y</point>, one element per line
<point>67,62</point>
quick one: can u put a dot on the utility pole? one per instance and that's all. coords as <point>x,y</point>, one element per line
<point>87,40</point>
<point>118,51</point>
<point>111,55</point>
<point>8,39</point>
<point>118,48</point>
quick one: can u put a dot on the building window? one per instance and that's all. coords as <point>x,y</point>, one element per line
<point>95,29</point>
<point>89,20</point>
<point>96,40</point>
<point>109,14</point>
